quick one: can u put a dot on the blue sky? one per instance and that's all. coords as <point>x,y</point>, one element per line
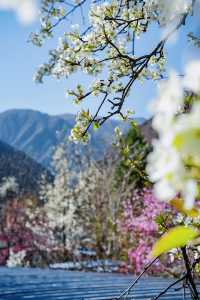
<point>19,60</point>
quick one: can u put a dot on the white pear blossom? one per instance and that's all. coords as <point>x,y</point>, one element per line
<point>169,102</point>
<point>105,47</point>
<point>60,204</point>
<point>192,78</point>
<point>174,164</point>
<point>168,10</point>
<point>187,138</point>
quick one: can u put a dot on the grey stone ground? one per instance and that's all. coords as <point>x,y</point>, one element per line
<point>37,284</point>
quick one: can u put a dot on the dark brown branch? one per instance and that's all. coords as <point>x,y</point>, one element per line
<point>121,55</point>
<point>189,273</point>
<point>98,110</point>
<point>135,66</point>
<point>142,62</point>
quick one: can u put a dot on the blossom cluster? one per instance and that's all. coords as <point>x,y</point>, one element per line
<point>174,164</point>
<point>167,10</point>
<point>105,48</point>
<point>76,50</point>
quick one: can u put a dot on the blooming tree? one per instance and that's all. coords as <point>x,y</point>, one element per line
<point>24,233</point>
<point>82,203</point>
<point>140,227</point>
<point>104,48</point>
<point>99,205</point>
<point>60,202</point>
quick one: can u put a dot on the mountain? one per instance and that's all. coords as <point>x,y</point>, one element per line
<point>147,131</point>
<point>37,133</point>
<point>14,163</point>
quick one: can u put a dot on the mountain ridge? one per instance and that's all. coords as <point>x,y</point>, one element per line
<point>37,133</point>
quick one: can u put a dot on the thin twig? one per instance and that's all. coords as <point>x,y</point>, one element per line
<point>74,8</point>
<point>136,280</point>
<point>170,286</point>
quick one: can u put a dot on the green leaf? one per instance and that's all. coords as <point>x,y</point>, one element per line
<point>176,237</point>
<point>95,126</point>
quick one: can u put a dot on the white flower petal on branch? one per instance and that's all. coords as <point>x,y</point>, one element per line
<point>190,191</point>
<point>192,78</point>
<point>174,164</point>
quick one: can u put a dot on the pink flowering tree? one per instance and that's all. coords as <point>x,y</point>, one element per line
<point>138,225</point>
<point>25,229</point>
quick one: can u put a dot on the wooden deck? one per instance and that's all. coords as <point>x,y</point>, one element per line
<point>37,284</point>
